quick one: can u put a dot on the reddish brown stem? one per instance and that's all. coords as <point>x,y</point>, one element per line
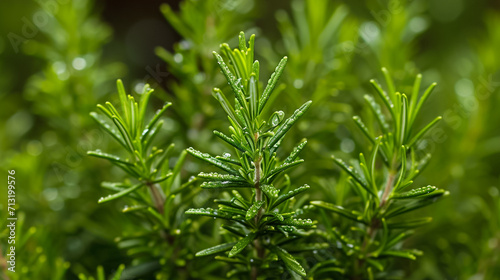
<point>157,197</point>
<point>388,188</point>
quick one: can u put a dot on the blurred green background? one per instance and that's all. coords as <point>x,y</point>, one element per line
<point>59,58</point>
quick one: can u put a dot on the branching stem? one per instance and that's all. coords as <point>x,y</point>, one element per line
<point>375,222</point>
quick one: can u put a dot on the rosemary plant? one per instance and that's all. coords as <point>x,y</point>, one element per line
<point>379,186</point>
<point>153,189</point>
<point>260,206</point>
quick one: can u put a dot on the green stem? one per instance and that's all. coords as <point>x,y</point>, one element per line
<point>259,250</point>
<point>375,222</point>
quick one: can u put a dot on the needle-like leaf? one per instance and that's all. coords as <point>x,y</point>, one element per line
<point>290,262</point>
<point>242,244</point>
<point>120,194</point>
<point>216,249</point>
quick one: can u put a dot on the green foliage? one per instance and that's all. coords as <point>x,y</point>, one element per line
<point>315,35</point>
<point>145,162</point>
<point>62,66</point>
<point>101,274</point>
<point>62,74</point>
<point>203,26</point>
<point>32,259</point>
<point>260,209</point>
<point>154,190</point>
<point>374,229</point>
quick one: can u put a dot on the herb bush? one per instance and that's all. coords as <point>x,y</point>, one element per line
<point>287,154</point>
<point>261,208</point>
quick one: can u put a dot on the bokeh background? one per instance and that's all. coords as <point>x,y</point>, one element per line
<point>59,58</point>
